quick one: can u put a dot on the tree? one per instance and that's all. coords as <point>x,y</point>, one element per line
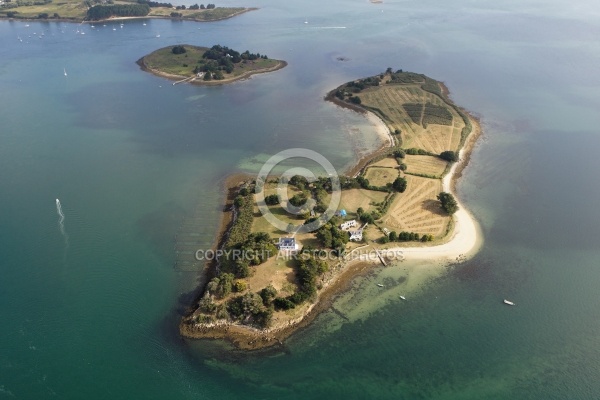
<point>399,185</point>
<point>355,100</point>
<point>393,236</point>
<point>449,155</point>
<point>367,217</point>
<point>268,294</point>
<point>448,201</point>
<point>272,200</point>
<point>178,50</point>
<point>298,199</point>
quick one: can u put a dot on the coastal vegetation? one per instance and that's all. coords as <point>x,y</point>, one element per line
<point>397,197</point>
<point>205,65</point>
<point>95,10</point>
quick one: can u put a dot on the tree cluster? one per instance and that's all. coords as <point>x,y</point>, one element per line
<point>399,184</point>
<point>413,151</point>
<point>249,309</point>
<point>117,10</point>
<point>409,236</point>
<point>242,226</point>
<point>331,236</point>
<point>155,4</point>
<point>449,155</point>
<point>178,50</point>
<point>448,201</point>
<point>222,58</point>
<point>307,272</point>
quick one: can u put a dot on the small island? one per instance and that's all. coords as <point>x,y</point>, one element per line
<point>102,10</point>
<point>397,201</point>
<point>207,66</point>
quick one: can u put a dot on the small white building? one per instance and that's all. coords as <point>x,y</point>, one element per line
<point>287,244</point>
<point>356,236</point>
<point>347,225</point>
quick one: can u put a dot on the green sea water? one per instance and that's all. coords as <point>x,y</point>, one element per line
<point>91,311</point>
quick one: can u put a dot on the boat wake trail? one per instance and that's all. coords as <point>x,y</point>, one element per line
<point>61,222</point>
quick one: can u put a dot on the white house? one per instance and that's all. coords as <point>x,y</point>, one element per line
<point>287,244</point>
<point>347,225</point>
<point>356,236</point>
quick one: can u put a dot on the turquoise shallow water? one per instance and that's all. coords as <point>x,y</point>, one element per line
<point>131,157</point>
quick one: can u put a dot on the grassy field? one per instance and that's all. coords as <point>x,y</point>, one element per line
<point>386,163</point>
<point>67,9</point>
<point>163,60</point>
<point>354,198</point>
<point>417,209</point>
<point>420,130</point>
<point>426,165</point>
<point>381,176</point>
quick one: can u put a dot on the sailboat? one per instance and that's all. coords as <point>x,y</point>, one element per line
<point>65,71</point>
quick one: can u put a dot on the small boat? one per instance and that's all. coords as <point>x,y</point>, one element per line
<point>508,302</point>
<point>380,285</point>
<point>144,24</point>
<point>403,298</point>
<point>65,70</point>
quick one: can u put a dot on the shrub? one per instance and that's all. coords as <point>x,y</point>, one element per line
<point>449,155</point>
<point>448,201</point>
<point>178,50</point>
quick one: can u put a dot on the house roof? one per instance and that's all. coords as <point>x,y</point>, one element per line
<point>287,242</point>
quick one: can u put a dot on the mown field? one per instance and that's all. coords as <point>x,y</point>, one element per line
<point>428,126</point>
<point>381,176</point>
<point>417,209</point>
<point>425,165</point>
<point>67,9</point>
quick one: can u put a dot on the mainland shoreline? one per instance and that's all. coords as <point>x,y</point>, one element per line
<point>86,21</point>
<point>460,244</point>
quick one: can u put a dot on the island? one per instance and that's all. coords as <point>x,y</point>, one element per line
<point>102,10</point>
<point>206,66</point>
<point>397,203</point>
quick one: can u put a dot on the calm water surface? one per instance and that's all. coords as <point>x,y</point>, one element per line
<point>92,313</point>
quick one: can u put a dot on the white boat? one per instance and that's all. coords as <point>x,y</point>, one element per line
<point>65,70</point>
<point>403,298</point>
<point>380,285</point>
<point>508,302</point>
